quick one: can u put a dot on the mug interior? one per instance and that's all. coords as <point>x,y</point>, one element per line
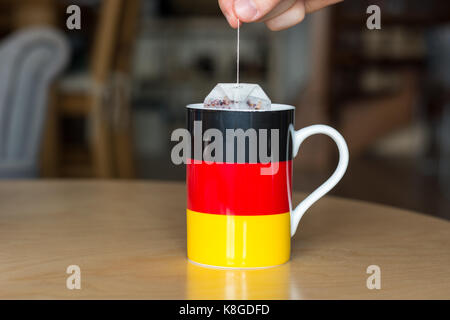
<point>274,107</point>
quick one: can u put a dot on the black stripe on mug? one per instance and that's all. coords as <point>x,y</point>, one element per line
<point>265,134</point>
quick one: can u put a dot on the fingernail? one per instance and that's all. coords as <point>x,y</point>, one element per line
<point>245,10</point>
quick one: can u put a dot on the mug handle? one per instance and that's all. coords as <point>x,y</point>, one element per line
<point>297,138</point>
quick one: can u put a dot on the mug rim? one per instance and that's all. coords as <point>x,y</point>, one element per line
<point>274,107</point>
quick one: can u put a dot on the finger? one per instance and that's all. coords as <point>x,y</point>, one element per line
<point>314,5</point>
<point>227,7</point>
<point>290,18</point>
<point>280,8</point>
<point>253,10</point>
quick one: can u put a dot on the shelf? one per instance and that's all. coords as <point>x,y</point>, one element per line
<point>409,19</point>
<point>354,60</point>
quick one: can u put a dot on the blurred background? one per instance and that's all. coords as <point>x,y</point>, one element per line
<point>102,101</point>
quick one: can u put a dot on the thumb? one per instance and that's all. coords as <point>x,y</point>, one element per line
<point>254,10</point>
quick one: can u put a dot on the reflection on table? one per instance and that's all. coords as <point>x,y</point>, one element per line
<point>253,284</point>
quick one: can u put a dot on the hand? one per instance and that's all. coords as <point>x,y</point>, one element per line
<point>277,14</point>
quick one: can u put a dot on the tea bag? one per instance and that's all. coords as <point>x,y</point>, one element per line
<point>242,96</point>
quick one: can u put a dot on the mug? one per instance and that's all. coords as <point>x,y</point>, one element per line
<point>239,182</point>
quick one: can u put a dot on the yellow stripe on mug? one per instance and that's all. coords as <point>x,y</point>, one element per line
<point>238,241</point>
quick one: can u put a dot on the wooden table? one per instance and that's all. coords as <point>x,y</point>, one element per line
<point>128,238</point>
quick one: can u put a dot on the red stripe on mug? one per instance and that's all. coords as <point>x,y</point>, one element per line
<point>238,188</point>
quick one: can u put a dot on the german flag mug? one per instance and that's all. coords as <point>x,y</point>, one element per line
<point>239,182</point>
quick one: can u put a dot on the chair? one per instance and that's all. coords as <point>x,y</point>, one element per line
<point>86,95</point>
<point>29,62</point>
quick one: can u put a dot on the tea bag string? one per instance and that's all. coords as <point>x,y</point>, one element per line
<point>237,54</point>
